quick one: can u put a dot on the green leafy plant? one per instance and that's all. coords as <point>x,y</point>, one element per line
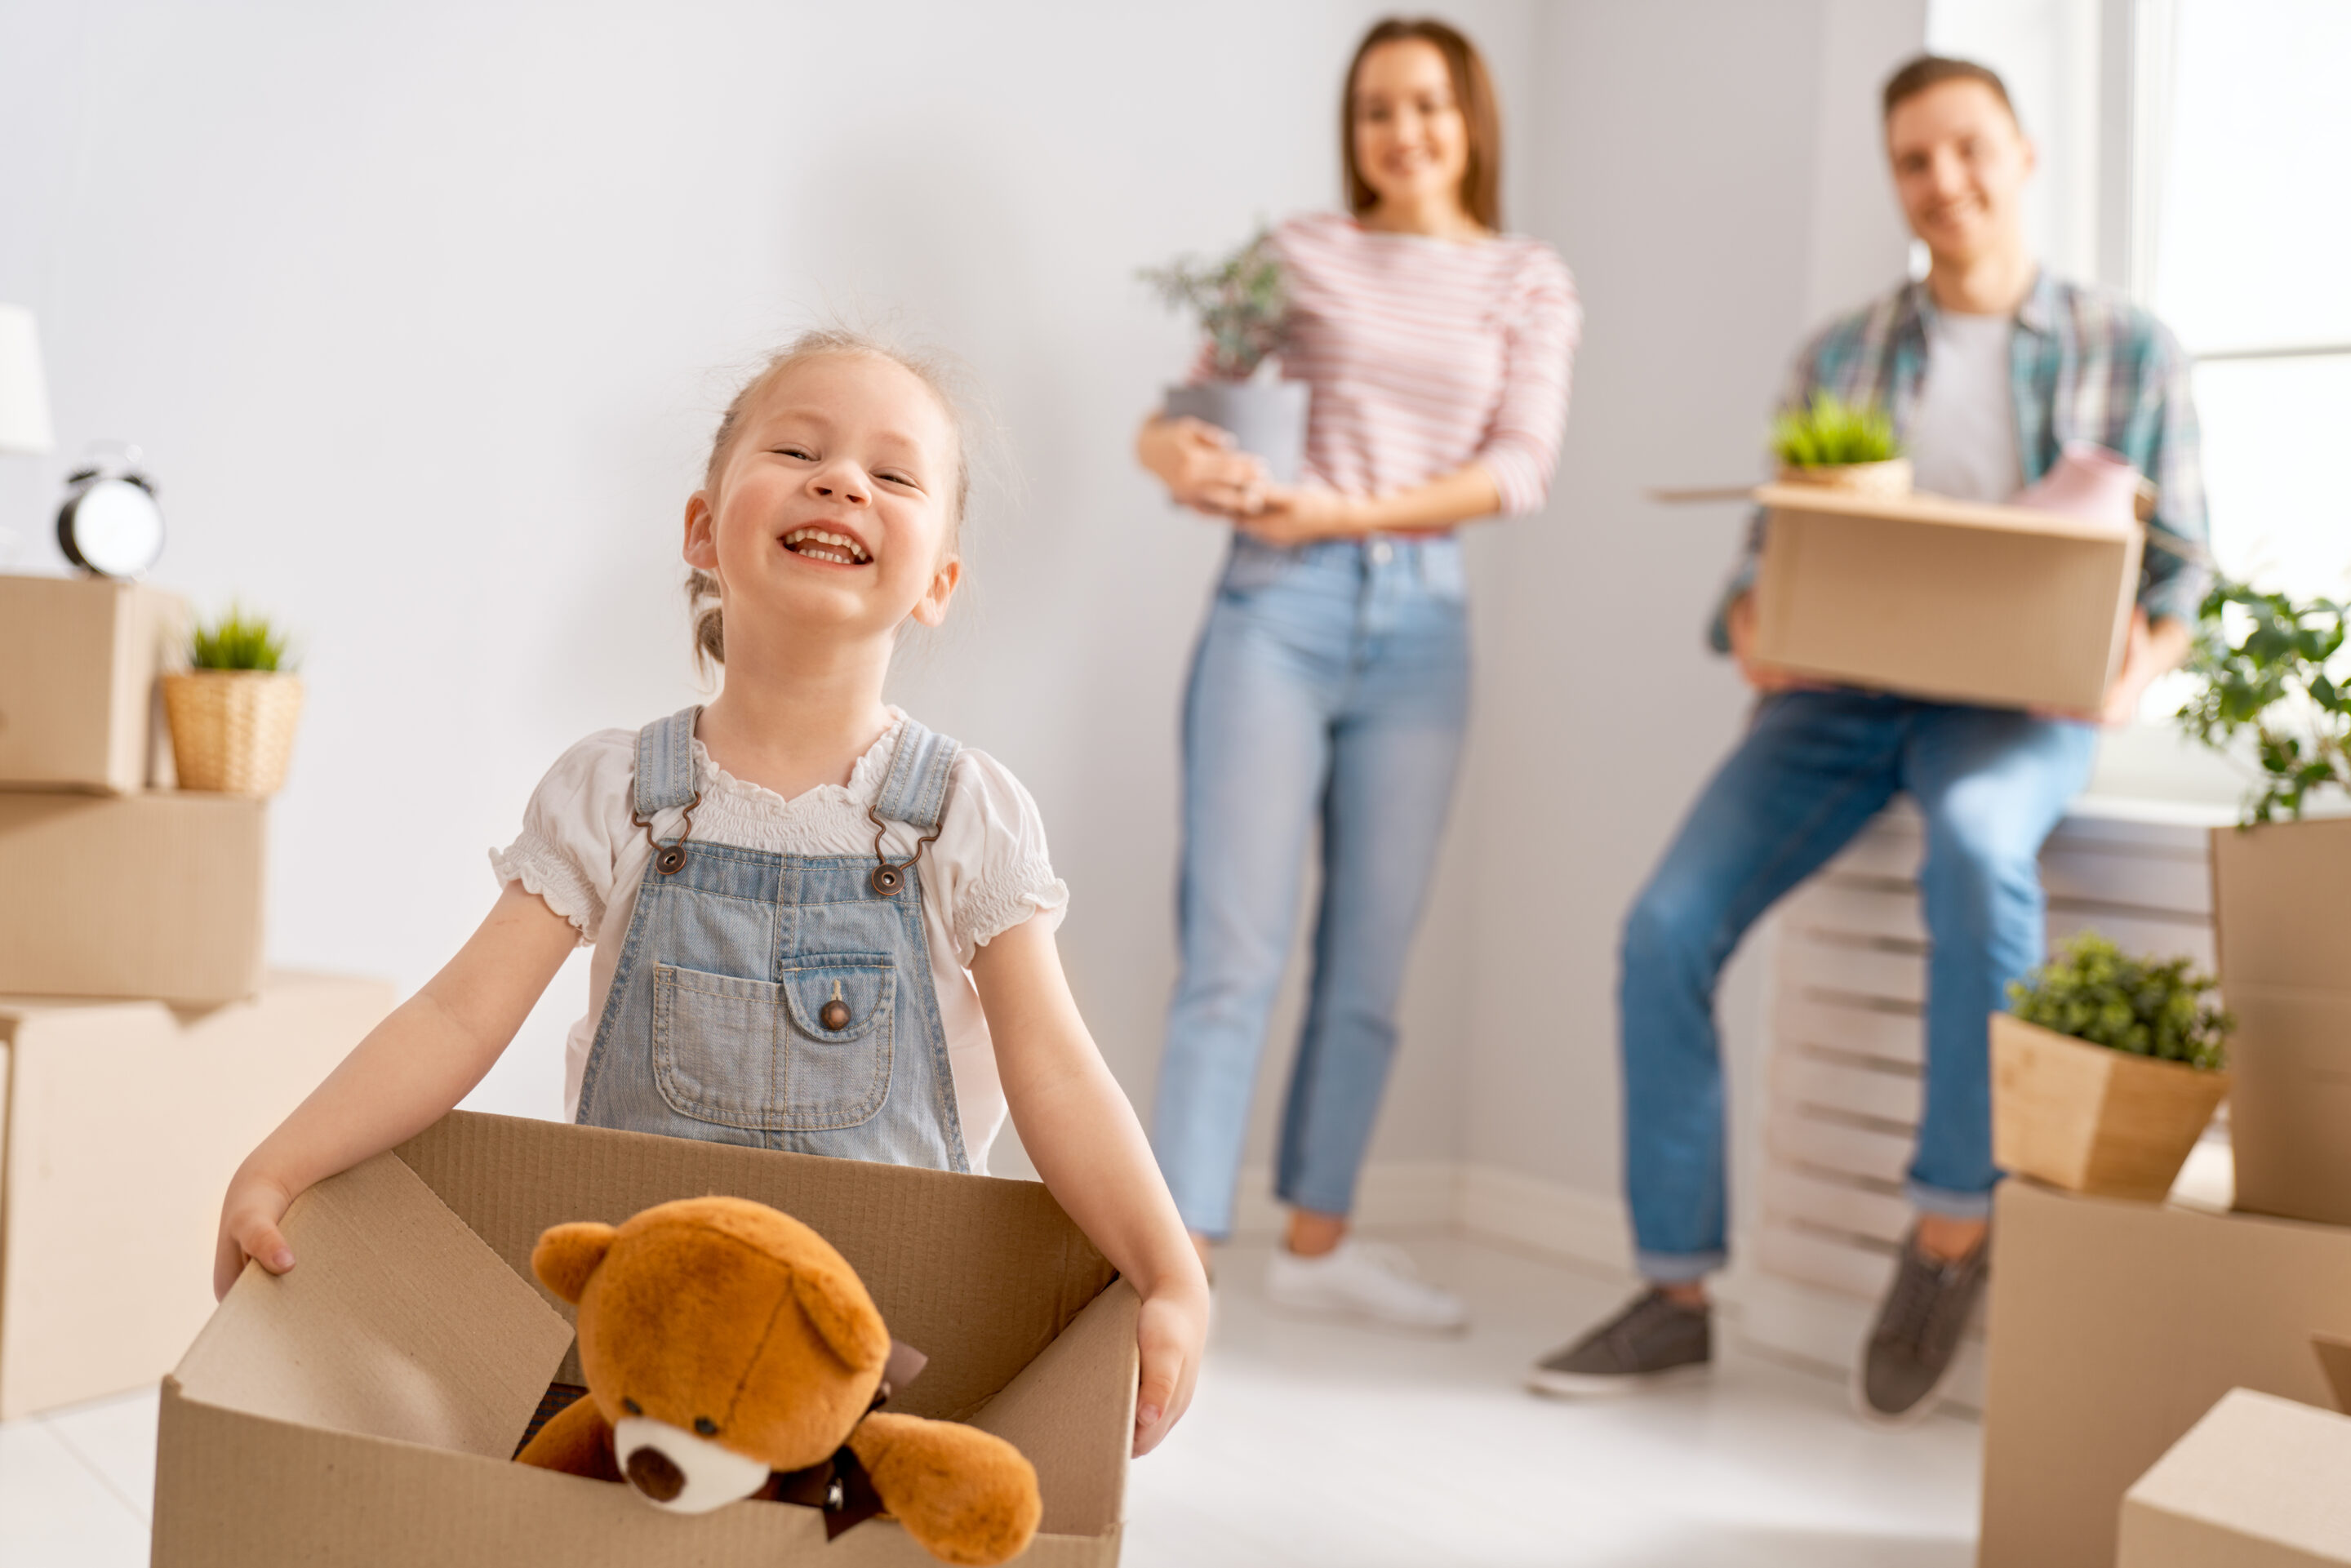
<point>2267,665</point>
<point>1831,433</point>
<point>2095,992</point>
<point>238,642</point>
<point>1242,303</point>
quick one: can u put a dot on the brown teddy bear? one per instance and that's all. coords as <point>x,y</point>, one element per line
<point>731,1352</point>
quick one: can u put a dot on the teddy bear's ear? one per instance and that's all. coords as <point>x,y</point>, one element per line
<point>567,1254</point>
<point>845,1322</point>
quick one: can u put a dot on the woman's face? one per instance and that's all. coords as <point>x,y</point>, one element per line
<point>832,504</point>
<point>1411,142</point>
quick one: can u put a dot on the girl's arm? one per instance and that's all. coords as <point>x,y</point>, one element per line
<point>410,1071</point>
<point>1080,1131</point>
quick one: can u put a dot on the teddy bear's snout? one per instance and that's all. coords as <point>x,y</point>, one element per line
<point>674,1469</point>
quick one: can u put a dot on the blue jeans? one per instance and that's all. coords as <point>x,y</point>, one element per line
<point>1814,769</point>
<point>1330,690</point>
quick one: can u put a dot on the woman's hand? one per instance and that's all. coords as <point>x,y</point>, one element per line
<point>1197,464</point>
<point>248,1229</point>
<point>1169,1337</point>
<point>1301,514</point>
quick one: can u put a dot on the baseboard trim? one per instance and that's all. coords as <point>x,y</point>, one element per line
<point>1487,1201</point>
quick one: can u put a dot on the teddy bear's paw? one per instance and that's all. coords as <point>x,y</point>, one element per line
<point>967,1495</point>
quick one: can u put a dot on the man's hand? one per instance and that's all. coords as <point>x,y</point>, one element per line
<point>2148,650</point>
<point>1301,514</point>
<point>1197,464</point>
<point>1739,619</point>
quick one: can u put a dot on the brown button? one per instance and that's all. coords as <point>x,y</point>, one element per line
<point>834,1014</point>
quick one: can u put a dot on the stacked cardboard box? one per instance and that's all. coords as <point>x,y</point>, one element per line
<point>2257,1483</point>
<point>143,1051</point>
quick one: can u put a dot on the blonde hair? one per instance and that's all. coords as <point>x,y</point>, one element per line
<point>933,370</point>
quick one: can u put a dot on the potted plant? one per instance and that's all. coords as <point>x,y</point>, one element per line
<point>2105,1070</point>
<point>232,711</point>
<point>2272,678</point>
<point>1846,446</point>
<point>1242,304</point>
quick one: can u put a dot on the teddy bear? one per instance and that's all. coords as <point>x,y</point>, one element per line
<point>730,1352</point>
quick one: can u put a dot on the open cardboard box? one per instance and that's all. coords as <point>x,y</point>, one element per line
<point>2257,1483</point>
<point>364,1408</point>
<point>1956,601</point>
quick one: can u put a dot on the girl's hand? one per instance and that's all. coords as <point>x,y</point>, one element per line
<point>1197,464</point>
<point>1169,1337</point>
<point>1301,514</point>
<point>248,1229</point>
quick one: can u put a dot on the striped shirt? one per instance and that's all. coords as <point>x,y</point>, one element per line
<point>2083,365</point>
<point>1426,355</point>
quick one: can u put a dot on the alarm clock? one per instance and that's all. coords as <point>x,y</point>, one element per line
<point>111,523</point>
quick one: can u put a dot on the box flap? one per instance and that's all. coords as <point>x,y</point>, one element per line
<point>395,1322</point>
<point>1942,511</point>
<point>2256,1468</point>
<point>979,1274</point>
<point>1057,1414</point>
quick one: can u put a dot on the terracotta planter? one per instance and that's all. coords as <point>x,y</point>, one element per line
<point>232,730</point>
<point>2090,1119</point>
<point>1891,477</point>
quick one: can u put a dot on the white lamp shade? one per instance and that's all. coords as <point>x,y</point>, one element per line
<point>24,394</point>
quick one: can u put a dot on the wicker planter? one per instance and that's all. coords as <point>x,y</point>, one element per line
<point>232,730</point>
<point>2090,1119</point>
<point>1891,477</point>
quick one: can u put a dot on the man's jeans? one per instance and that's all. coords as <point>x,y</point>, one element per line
<point>1328,699</point>
<point>1811,771</point>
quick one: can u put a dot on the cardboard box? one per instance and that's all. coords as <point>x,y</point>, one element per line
<point>2281,907</point>
<point>123,1123</point>
<point>364,1408</point>
<point>137,895</point>
<point>2003,606</point>
<point>78,658</point>
<point>2258,1483</point>
<point>2115,1326</point>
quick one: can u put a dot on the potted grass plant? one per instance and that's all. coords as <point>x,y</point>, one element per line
<point>232,711</point>
<point>2105,1070</point>
<point>1242,305</point>
<point>1844,445</point>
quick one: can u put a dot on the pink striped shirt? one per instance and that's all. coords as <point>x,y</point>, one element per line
<point>1426,355</point>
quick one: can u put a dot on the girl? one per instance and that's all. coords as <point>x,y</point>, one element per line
<point>818,926</point>
<point>1331,681</point>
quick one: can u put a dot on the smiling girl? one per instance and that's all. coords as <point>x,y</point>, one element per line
<point>818,926</point>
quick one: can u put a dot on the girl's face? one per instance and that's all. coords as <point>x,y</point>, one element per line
<point>1411,142</point>
<point>832,505</point>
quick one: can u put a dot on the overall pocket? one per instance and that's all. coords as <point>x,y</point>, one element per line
<point>759,1054</point>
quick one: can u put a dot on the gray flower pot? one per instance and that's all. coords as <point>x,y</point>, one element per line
<point>1266,419</point>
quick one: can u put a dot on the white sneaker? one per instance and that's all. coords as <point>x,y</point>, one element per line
<point>1366,1281</point>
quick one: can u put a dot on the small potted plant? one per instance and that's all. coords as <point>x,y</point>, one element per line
<point>1846,446</point>
<point>1242,304</point>
<point>232,711</point>
<point>2105,1070</point>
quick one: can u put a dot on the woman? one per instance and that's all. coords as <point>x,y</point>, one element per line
<point>1330,683</point>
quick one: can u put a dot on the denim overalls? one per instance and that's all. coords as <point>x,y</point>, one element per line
<point>779,1001</point>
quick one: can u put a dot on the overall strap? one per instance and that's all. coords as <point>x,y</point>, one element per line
<point>915,791</point>
<point>665,764</point>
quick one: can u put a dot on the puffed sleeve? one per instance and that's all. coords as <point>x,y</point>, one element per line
<point>1521,446</point>
<point>574,830</point>
<point>997,872</point>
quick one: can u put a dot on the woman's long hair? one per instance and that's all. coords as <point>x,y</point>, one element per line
<point>1473,93</point>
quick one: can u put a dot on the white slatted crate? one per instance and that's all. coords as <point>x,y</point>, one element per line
<point>1842,1081</point>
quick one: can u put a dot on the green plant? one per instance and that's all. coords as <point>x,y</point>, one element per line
<point>1242,302</point>
<point>2094,991</point>
<point>2262,664</point>
<point>1831,433</point>
<point>238,642</point>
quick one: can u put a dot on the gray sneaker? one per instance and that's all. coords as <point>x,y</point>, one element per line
<point>1914,1348</point>
<point>1655,1339</point>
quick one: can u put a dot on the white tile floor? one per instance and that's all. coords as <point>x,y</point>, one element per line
<point>1315,1444</point>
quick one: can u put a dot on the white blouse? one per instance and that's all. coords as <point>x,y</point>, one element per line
<point>987,872</point>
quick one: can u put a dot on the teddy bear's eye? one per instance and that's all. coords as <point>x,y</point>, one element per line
<point>632,1408</point>
<point>705,1425</point>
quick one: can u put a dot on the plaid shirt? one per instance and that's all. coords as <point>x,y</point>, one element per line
<point>2083,366</point>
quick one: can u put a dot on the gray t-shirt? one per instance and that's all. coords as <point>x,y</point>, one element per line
<point>1962,435</point>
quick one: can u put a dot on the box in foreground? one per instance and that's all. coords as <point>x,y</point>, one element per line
<point>364,1408</point>
<point>141,895</point>
<point>2115,1326</point>
<point>1950,599</point>
<point>124,1121</point>
<point>2257,1483</point>
<point>78,658</point>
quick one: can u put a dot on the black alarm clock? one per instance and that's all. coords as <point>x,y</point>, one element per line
<point>111,523</point>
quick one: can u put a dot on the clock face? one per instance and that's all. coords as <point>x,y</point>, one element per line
<point>114,528</point>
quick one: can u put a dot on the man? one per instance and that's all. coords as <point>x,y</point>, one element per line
<point>1987,366</point>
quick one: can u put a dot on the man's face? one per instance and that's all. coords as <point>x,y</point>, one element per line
<point>1959,167</point>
